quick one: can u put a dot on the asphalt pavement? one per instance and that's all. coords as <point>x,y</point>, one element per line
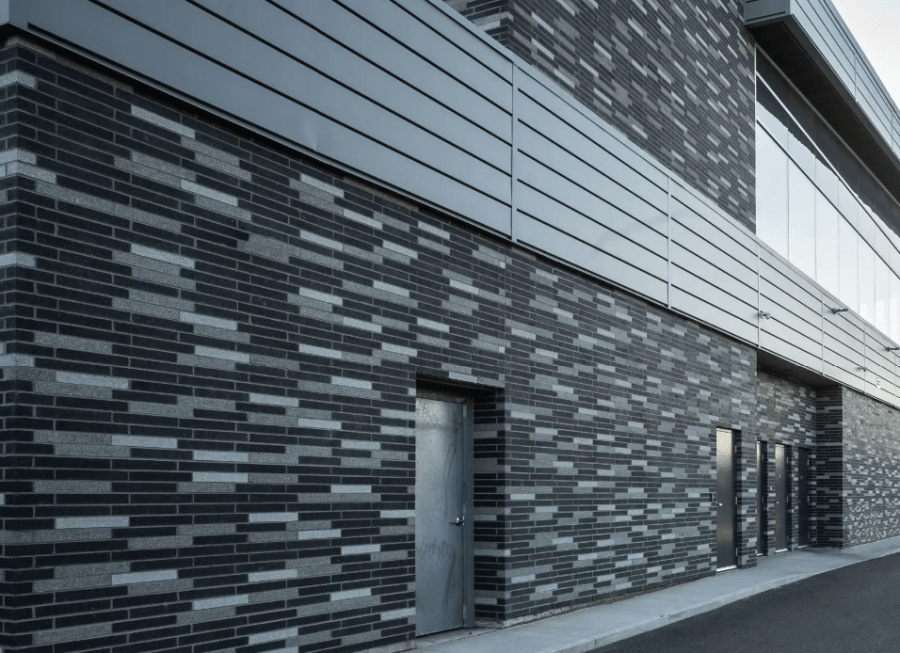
<point>820,600</point>
<point>855,609</point>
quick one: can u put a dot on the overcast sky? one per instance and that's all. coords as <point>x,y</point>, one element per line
<point>876,26</point>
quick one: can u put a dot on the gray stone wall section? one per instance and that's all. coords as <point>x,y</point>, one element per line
<point>830,466</point>
<point>871,470</point>
<point>676,77</point>
<point>787,415</point>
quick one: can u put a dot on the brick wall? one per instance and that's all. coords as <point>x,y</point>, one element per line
<point>787,415</point>
<point>676,77</point>
<point>830,466</point>
<point>871,470</point>
<point>219,347</point>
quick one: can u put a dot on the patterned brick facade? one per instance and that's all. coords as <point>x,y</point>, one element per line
<point>871,470</point>
<point>677,78</point>
<point>213,361</point>
<point>787,415</point>
<point>212,347</point>
<point>830,467</point>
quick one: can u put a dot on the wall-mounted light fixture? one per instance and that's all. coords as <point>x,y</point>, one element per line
<point>893,348</point>
<point>765,315</point>
<point>839,310</point>
<point>863,368</point>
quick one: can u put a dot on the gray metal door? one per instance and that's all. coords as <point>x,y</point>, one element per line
<point>443,518</point>
<point>803,497</point>
<point>761,492</point>
<point>781,498</point>
<point>726,556</point>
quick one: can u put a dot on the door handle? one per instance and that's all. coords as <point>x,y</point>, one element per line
<point>459,521</point>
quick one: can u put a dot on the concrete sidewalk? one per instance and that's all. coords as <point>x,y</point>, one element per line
<point>585,630</point>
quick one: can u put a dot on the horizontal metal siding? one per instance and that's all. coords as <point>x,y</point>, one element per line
<point>794,330</point>
<point>833,40</point>
<point>405,93</point>
<point>578,190</point>
<point>713,267</point>
<point>844,349</point>
<point>755,10</point>
<point>817,21</point>
<point>249,78</point>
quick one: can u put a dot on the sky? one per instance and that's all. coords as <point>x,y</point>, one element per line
<point>876,25</point>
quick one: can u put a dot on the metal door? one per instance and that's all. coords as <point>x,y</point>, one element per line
<point>781,498</point>
<point>803,497</point>
<point>443,518</point>
<point>726,556</point>
<point>761,492</point>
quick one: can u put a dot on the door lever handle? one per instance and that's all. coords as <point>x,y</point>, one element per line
<point>459,521</point>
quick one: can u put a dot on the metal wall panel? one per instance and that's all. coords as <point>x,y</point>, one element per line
<point>242,76</point>
<point>712,264</point>
<point>833,41</point>
<point>755,10</point>
<point>558,244</point>
<point>409,94</point>
<point>844,348</point>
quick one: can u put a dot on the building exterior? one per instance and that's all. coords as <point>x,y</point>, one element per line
<point>330,324</point>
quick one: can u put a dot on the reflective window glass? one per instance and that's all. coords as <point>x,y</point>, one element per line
<point>894,308</point>
<point>828,144</point>
<point>770,113</point>
<point>801,149</point>
<point>801,221</point>
<point>827,254</point>
<point>866,282</point>
<point>848,205</point>
<point>882,295</point>
<point>849,267</point>
<point>827,181</point>
<point>771,193</point>
<point>849,169</point>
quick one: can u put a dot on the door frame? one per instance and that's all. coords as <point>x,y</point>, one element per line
<point>783,491</point>
<point>804,454</point>
<point>468,459</point>
<point>731,500</point>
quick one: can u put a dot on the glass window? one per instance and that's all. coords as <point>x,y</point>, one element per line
<point>827,237</point>
<point>849,268</point>
<point>882,295</point>
<point>848,205</point>
<point>801,149</point>
<point>868,192</point>
<point>827,180</point>
<point>866,282</point>
<point>801,221</point>
<point>771,193</point>
<point>894,308</point>
<point>849,169</point>
<point>770,113</point>
<point>828,144</point>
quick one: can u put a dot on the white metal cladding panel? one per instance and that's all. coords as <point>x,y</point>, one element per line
<point>579,190</point>
<point>828,35</point>
<point>267,86</point>
<point>844,348</point>
<point>713,267</point>
<point>880,363</point>
<point>761,9</point>
<point>563,246</point>
<point>832,38</point>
